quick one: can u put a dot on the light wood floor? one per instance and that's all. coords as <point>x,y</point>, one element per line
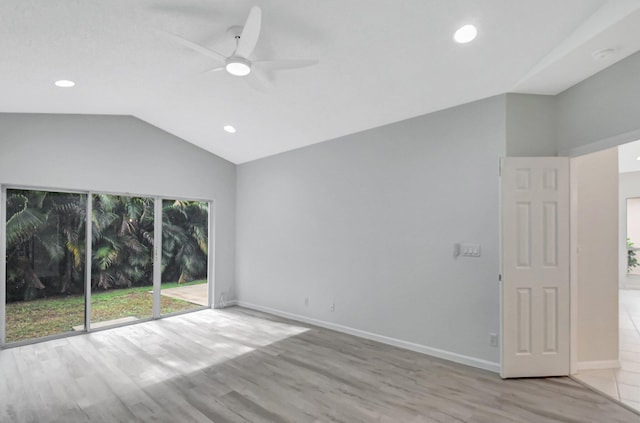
<point>236,365</point>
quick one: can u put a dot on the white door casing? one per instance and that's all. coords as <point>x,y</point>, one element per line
<point>535,266</point>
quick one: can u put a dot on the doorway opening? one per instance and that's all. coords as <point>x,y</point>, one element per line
<point>617,374</point>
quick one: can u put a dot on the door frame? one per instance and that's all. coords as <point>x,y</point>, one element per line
<point>573,268</point>
<point>575,272</point>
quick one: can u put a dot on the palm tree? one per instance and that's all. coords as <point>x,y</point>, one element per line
<point>184,240</point>
<point>122,239</point>
<point>45,243</point>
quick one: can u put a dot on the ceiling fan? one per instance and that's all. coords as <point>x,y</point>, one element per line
<point>239,62</point>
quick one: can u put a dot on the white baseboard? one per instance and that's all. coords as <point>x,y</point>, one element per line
<point>435,352</point>
<point>598,365</point>
<point>630,283</point>
<point>229,303</point>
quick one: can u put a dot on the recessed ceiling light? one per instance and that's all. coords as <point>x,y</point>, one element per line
<point>65,83</point>
<point>230,129</point>
<point>638,158</point>
<point>465,34</point>
<point>238,66</point>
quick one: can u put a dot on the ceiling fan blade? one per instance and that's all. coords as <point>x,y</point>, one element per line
<point>283,64</point>
<point>257,81</point>
<point>195,47</point>
<point>250,33</point>
<point>209,12</point>
<point>217,69</point>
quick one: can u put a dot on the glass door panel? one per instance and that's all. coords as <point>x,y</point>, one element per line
<point>45,242</point>
<point>185,229</point>
<point>122,259</point>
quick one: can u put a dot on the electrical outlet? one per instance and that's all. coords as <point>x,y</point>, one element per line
<point>332,307</point>
<point>493,339</point>
<point>306,301</point>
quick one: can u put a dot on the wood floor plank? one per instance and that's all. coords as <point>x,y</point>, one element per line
<point>239,365</point>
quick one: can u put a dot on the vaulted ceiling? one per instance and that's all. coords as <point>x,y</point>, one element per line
<point>379,61</point>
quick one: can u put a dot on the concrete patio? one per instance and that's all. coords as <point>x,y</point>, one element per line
<point>196,294</point>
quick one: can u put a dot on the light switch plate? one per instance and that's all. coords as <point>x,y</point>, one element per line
<point>470,250</point>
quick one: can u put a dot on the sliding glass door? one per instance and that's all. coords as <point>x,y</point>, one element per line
<point>121,259</point>
<point>62,274</point>
<point>185,245</point>
<point>45,262</point>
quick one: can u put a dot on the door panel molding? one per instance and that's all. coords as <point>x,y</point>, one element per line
<point>535,237</point>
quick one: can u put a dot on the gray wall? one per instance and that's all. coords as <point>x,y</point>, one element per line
<point>531,125</point>
<point>122,155</point>
<point>369,221</point>
<point>602,111</point>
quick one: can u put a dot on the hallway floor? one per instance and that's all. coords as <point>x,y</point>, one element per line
<point>622,384</point>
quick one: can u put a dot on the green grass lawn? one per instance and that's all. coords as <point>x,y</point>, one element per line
<point>38,318</point>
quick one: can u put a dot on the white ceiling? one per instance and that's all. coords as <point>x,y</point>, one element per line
<point>380,61</point>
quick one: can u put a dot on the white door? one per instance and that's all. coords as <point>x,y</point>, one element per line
<point>535,266</point>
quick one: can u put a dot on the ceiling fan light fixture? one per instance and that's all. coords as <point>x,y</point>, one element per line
<point>238,66</point>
